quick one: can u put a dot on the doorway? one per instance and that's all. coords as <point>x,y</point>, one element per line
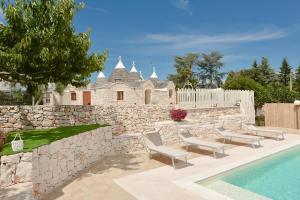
<point>147,96</point>
<point>86,98</point>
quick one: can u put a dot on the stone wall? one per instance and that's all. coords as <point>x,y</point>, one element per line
<point>199,113</point>
<point>15,169</point>
<point>57,162</point>
<point>122,118</point>
<point>51,165</point>
<point>201,122</point>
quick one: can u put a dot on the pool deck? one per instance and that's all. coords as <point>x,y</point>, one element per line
<point>166,183</point>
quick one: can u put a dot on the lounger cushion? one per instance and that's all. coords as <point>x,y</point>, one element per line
<point>169,151</point>
<point>196,141</point>
<point>227,133</point>
<point>253,128</point>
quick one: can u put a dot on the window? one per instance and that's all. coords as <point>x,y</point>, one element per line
<point>170,94</point>
<point>120,95</point>
<point>73,96</point>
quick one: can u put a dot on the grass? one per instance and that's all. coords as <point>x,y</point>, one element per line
<point>36,138</point>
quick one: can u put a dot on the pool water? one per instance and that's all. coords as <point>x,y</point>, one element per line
<point>275,177</point>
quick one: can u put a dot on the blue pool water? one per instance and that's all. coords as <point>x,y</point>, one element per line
<point>276,177</point>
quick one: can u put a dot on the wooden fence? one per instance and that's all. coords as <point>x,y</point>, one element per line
<point>203,98</point>
<point>284,115</point>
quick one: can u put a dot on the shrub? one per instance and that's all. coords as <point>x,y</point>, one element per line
<point>178,114</point>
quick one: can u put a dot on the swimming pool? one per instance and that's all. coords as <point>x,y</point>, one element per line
<point>275,177</point>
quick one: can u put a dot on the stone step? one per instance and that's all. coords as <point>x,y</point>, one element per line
<point>234,192</point>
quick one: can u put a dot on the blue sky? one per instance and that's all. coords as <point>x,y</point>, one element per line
<point>154,31</point>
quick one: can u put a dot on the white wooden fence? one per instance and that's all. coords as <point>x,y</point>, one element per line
<point>205,98</point>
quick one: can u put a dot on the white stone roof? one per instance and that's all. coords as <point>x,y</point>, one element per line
<point>154,75</point>
<point>120,64</point>
<point>101,75</point>
<point>133,69</point>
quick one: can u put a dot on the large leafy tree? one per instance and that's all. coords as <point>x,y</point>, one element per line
<point>39,44</point>
<point>184,70</point>
<point>285,73</point>
<point>209,70</point>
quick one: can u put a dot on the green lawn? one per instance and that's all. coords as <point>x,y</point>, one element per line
<point>35,138</point>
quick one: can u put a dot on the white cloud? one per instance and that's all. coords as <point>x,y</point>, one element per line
<point>193,40</point>
<point>182,4</point>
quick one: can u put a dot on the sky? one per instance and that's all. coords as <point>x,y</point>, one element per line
<point>152,32</point>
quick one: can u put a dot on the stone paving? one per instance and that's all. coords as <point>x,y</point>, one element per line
<point>167,183</point>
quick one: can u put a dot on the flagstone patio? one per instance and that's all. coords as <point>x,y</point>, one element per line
<point>135,176</point>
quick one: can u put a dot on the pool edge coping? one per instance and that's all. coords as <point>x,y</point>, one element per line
<point>189,183</point>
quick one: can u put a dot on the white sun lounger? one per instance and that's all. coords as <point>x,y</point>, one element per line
<point>153,143</point>
<point>227,134</point>
<point>189,140</point>
<point>279,134</point>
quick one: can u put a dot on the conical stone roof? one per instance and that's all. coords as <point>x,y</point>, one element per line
<point>120,73</point>
<point>133,74</point>
<point>101,82</point>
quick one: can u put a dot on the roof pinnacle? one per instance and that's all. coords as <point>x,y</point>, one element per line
<point>133,69</point>
<point>154,75</point>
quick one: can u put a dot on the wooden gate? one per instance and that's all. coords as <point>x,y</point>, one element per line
<point>86,98</point>
<point>147,96</point>
<point>284,115</point>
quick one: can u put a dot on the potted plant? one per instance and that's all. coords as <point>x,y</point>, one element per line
<point>178,114</point>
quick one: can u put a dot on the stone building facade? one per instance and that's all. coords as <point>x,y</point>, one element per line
<point>121,88</point>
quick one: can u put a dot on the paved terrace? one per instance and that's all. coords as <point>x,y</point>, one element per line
<point>133,176</point>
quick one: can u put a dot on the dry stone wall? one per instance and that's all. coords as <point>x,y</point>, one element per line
<point>122,118</point>
<point>51,165</point>
<point>15,169</point>
<point>57,162</point>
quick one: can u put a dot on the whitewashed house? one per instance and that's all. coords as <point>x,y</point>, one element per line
<point>122,87</point>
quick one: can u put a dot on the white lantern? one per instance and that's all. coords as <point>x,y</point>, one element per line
<point>17,144</point>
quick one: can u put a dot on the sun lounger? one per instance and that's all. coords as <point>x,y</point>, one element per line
<point>279,134</point>
<point>189,140</point>
<point>153,143</point>
<point>227,134</point>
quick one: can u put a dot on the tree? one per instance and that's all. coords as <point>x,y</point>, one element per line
<point>282,94</point>
<point>209,70</point>
<point>285,73</point>
<point>255,71</point>
<point>266,74</point>
<point>39,44</point>
<point>184,70</point>
<point>296,85</point>
<point>236,81</point>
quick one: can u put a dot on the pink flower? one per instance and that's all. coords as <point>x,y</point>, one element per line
<point>178,114</point>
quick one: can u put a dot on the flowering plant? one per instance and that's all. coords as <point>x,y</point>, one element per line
<point>178,114</point>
